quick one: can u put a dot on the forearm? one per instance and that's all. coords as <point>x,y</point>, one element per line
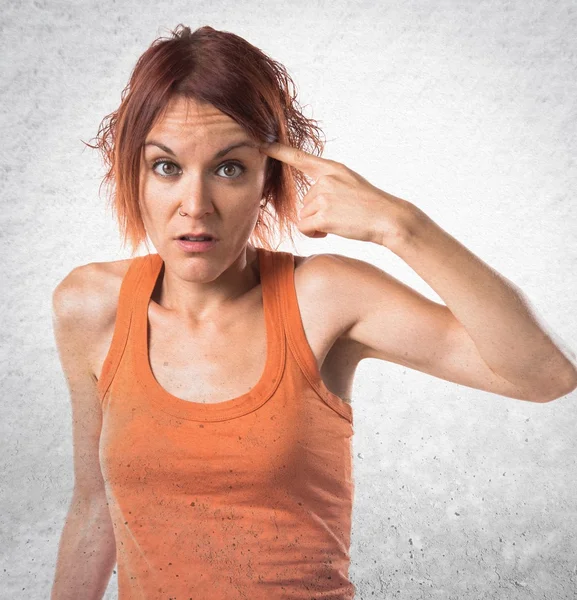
<point>86,554</point>
<point>511,338</point>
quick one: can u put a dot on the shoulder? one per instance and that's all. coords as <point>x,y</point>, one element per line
<point>349,288</point>
<point>332,281</point>
<point>334,272</point>
<point>357,283</point>
<point>86,299</point>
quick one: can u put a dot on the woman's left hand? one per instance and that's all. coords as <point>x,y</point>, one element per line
<point>342,202</point>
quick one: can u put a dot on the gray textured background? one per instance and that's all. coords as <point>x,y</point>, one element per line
<point>466,109</point>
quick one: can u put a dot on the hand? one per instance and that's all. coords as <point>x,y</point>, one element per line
<point>340,201</point>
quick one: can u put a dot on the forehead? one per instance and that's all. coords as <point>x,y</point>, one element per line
<point>187,119</point>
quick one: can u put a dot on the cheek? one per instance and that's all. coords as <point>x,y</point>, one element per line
<point>154,212</point>
<point>148,219</point>
<point>143,195</point>
<point>155,198</point>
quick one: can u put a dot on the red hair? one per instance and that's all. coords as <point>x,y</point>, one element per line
<point>238,79</point>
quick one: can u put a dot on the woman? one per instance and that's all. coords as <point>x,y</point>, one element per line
<point>210,381</point>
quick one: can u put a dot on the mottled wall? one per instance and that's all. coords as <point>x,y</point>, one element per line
<point>466,109</point>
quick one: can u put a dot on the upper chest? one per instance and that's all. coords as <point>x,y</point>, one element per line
<point>222,360</point>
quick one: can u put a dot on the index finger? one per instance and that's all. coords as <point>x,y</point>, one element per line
<point>302,160</point>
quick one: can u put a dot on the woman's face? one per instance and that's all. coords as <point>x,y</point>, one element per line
<point>219,191</point>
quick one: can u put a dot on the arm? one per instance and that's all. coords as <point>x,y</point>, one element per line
<point>87,550</point>
<point>486,336</point>
<point>508,334</point>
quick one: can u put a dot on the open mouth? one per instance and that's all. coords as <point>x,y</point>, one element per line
<point>197,244</point>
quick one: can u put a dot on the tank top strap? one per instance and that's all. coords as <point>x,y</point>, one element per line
<point>271,290</point>
<point>291,316</point>
<point>129,361</point>
<point>124,311</point>
<point>296,336</point>
<point>152,264</point>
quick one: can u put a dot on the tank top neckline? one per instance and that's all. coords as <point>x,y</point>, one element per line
<point>227,409</point>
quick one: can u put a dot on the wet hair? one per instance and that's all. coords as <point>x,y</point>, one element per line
<point>237,78</point>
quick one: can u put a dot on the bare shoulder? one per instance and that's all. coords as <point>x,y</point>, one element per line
<point>87,298</point>
<point>334,272</point>
<point>87,292</point>
<point>336,279</point>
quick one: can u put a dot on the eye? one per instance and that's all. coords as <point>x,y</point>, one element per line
<point>240,167</point>
<point>163,162</point>
<point>228,165</point>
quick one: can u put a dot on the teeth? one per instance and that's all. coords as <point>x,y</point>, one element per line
<point>200,239</point>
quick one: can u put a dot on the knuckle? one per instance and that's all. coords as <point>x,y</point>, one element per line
<point>300,156</point>
<point>329,178</point>
<point>338,166</point>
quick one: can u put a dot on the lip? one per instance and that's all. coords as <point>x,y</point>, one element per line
<point>194,247</point>
<point>198,234</point>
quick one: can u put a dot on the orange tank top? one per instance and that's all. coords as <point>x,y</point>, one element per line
<point>245,498</point>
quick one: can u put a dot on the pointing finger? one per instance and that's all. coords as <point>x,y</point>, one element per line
<point>303,161</point>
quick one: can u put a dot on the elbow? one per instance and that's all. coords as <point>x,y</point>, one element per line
<point>568,384</point>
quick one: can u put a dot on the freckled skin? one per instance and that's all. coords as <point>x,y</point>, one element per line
<point>215,195</point>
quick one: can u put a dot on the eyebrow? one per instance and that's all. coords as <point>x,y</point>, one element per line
<point>220,153</point>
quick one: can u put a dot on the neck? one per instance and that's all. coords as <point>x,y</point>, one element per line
<point>196,296</point>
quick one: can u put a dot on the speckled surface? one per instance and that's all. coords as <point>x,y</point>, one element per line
<point>467,110</point>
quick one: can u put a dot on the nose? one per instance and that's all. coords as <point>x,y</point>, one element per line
<point>195,199</point>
